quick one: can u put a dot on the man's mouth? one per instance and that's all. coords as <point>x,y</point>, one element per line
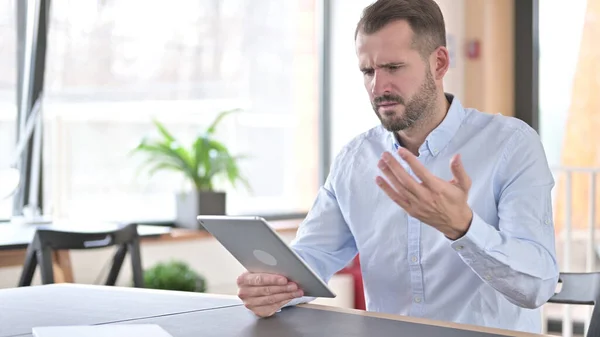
<point>387,104</point>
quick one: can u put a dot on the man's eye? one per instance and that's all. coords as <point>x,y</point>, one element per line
<point>367,72</point>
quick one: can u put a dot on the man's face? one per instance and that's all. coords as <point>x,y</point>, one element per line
<point>401,87</point>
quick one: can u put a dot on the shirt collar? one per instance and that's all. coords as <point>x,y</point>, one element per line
<point>437,139</point>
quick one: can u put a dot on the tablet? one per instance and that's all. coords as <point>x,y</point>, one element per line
<point>260,250</point>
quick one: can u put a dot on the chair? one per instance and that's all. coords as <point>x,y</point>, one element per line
<point>353,269</point>
<point>39,252</point>
<point>584,289</point>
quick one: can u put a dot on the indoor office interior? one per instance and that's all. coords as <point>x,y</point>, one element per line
<point>102,101</point>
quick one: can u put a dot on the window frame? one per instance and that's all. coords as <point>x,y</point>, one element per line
<point>526,68</point>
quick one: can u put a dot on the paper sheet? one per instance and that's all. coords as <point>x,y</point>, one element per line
<point>116,330</point>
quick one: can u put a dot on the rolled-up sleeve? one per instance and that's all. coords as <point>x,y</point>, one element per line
<point>518,258</point>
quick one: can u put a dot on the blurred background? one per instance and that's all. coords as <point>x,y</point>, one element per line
<point>102,71</point>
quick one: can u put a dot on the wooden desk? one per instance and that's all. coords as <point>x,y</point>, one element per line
<point>191,314</point>
<point>15,238</point>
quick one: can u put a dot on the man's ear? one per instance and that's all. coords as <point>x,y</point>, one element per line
<point>441,62</point>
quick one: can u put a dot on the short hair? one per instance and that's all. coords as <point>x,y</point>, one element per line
<point>424,17</point>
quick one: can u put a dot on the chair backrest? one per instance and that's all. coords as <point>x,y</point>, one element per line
<point>56,239</point>
<point>581,288</point>
<point>578,288</point>
<point>46,240</point>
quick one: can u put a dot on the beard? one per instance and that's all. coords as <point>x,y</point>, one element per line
<point>418,108</point>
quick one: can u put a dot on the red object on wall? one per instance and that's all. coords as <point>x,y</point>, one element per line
<point>473,49</point>
<point>353,268</point>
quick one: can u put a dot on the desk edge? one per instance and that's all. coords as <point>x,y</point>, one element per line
<point>426,321</point>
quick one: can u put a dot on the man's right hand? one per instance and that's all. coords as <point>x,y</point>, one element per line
<point>265,294</point>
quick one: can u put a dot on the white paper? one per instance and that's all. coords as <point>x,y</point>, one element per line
<point>116,330</point>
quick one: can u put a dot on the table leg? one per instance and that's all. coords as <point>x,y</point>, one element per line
<point>63,272</point>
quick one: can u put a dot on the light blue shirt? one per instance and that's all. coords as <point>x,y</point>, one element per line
<point>497,275</point>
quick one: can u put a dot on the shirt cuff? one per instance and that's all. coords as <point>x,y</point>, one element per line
<point>472,247</point>
<point>296,301</point>
<point>476,238</point>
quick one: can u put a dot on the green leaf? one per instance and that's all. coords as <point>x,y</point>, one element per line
<point>202,161</point>
<point>171,156</point>
<point>163,130</point>
<point>182,154</point>
<point>233,172</point>
<point>204,184</point>
<point>163,167</point>
<point>211,129</point>
<point>150,163</point>
<point>214,144</point>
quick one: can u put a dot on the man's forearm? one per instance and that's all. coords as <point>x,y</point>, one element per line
<point>520,268</point>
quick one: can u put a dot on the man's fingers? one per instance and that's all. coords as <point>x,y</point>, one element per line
<point>248,292</point>
<point>399,198</point>
<point>417,167</point>
<point>264,294</point>
<point>271,299</point>
<point>389,165</point>
<point>241,280</point>
<point>460,174</point>
<point>391,177</point>
<point>259,279</point>
<point>270,310</point>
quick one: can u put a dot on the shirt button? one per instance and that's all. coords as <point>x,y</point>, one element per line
<point>488,277</point>
<point>414,259</point>
<point>459,247</point>
<point>417,299</point>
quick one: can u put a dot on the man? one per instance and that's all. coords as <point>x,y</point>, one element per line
<point>449,208</point>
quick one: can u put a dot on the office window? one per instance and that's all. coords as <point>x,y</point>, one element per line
<point>558,45</point>
<point>351,111</point>
<point>569,107</point>
<point>8,79</point>
<point>569,104</point>
<point>112,66</point>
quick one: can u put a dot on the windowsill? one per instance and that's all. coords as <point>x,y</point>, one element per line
<point>171,223</point>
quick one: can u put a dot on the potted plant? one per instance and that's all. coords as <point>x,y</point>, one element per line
<point>200,164</point>
<point>174,275</point>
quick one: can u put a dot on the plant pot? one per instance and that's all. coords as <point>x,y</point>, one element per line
<point>191,204</point>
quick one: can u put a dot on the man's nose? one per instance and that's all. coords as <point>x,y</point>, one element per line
<point>380,84</point>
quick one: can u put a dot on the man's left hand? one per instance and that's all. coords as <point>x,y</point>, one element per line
<point>436,202</point>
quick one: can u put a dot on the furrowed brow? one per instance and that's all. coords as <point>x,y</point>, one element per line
<point>390,65</point>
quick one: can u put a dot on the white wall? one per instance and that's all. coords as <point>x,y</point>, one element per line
<point>454,16</point>
<point>351,111</point>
